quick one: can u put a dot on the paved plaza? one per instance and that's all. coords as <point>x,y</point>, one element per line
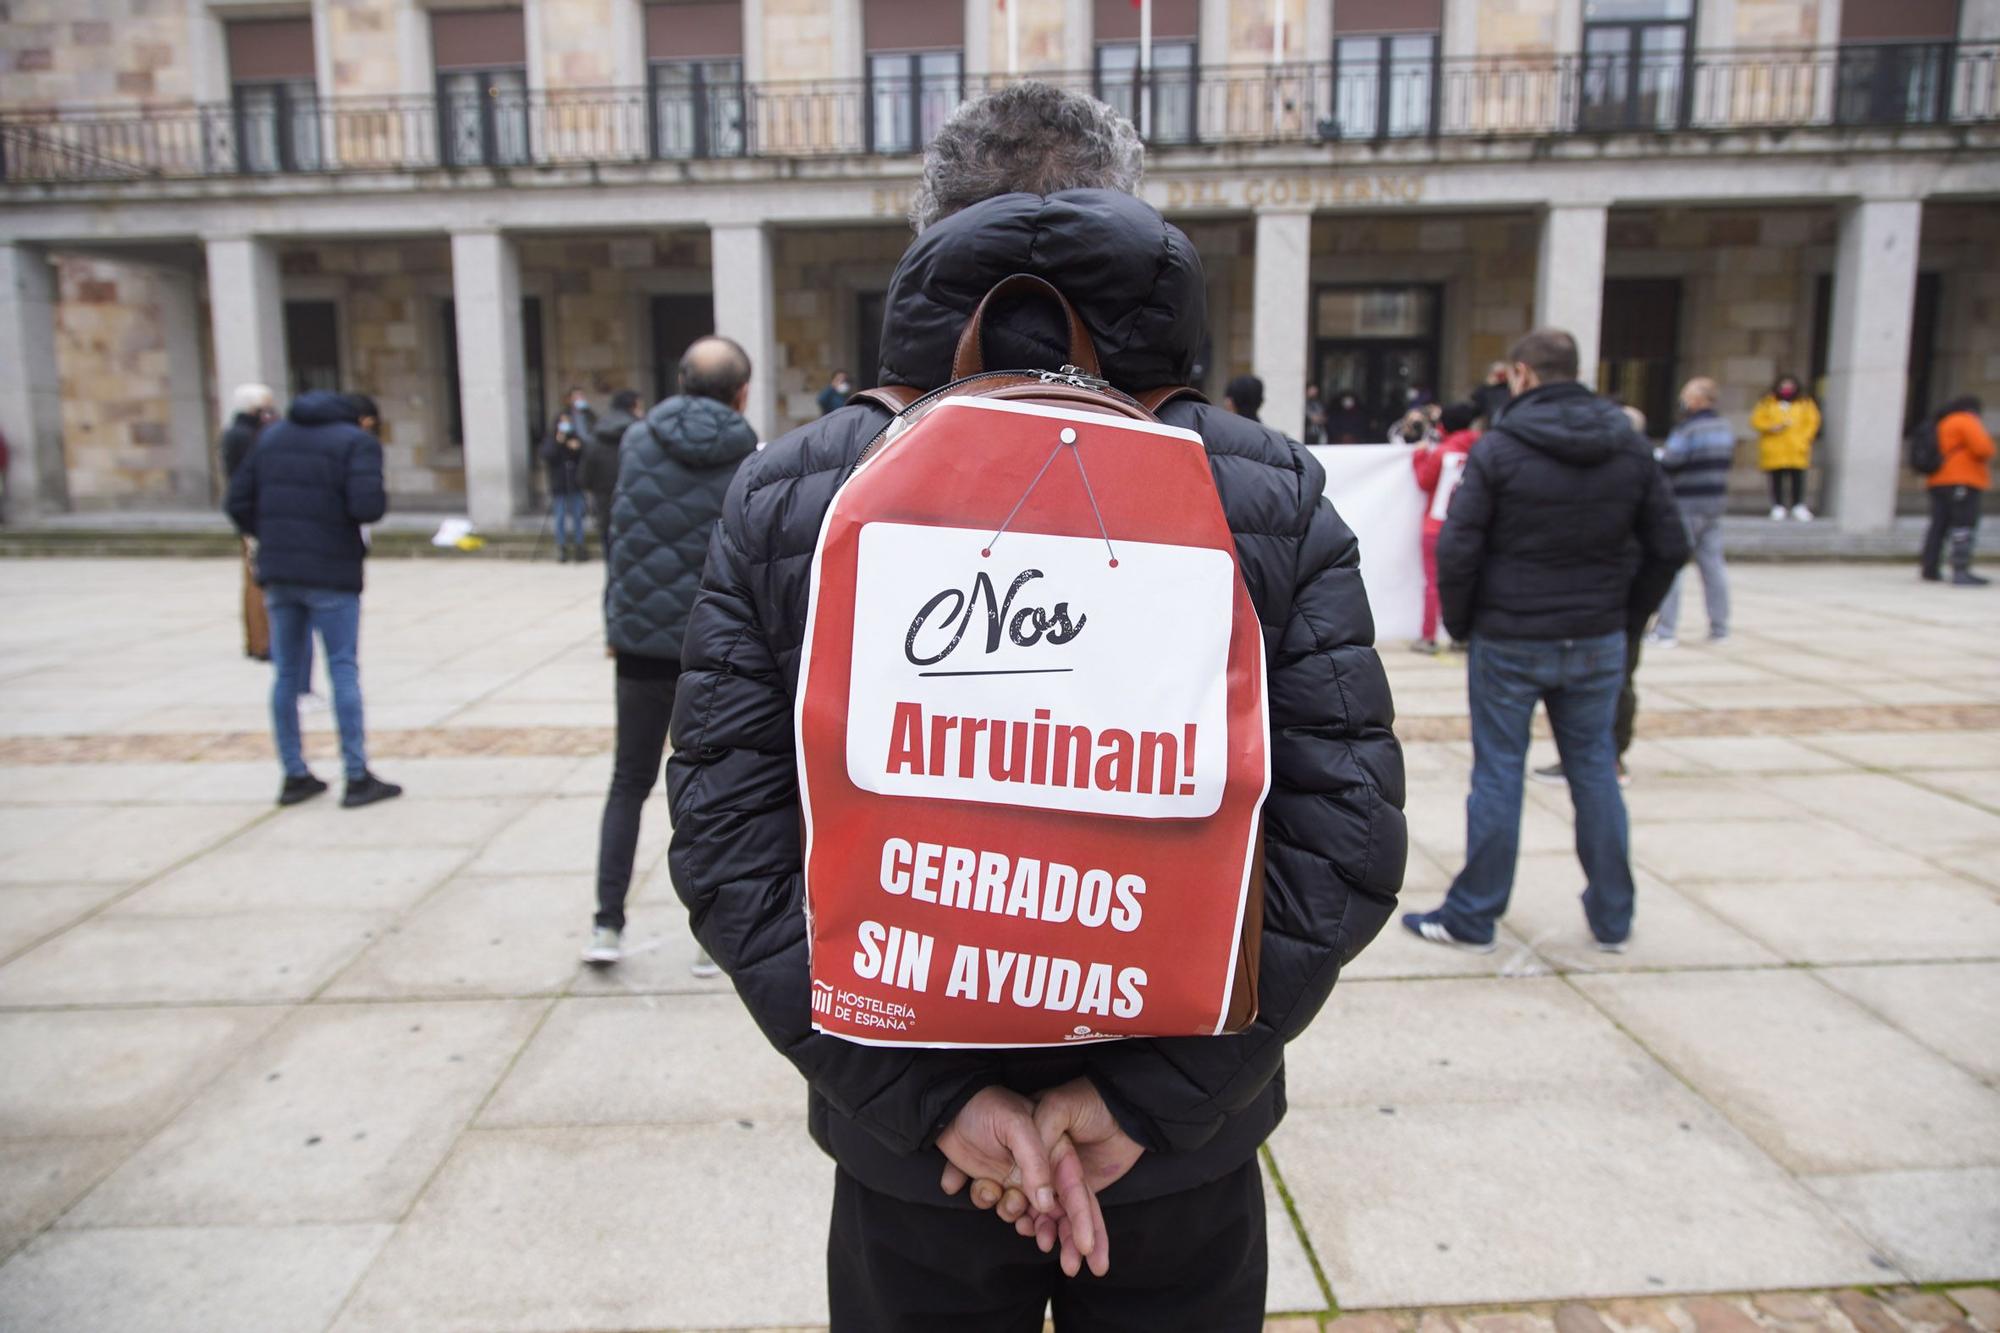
<point>315,1069</point>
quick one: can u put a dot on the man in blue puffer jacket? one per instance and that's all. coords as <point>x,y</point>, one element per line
<point>304,493</point>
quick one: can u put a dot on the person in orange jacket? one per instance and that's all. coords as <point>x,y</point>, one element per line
<point>1439,466</point>
<point>1957,488</point>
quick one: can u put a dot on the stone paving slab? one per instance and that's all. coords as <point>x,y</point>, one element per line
<point>1573,1194</point>
<point>243,957</point>
<point>1818,1081</point>
<point>1953,1008</point>
<point>1814,820</point>
<point>186,1279</point>
<point>340,1115</point>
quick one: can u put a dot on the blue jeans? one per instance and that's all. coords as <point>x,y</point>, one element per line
<point>569,518</point>
<point>1578,681</point>
<point>296,614</point>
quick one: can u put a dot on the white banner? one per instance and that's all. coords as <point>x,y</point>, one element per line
<point>1375,489</point>
<point>1037,671</point>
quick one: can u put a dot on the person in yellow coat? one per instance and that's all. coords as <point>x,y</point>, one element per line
<point>1787,422</point>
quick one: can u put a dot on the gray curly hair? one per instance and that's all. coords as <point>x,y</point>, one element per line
<point>1030,137</point>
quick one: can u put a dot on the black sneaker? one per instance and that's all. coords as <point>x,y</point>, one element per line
<point>1430,926</point>
<point>1965,578</point>
<point>368,789</point>
<point>1552,773</point>
<point>1931,576</point>
<point>300,789</point>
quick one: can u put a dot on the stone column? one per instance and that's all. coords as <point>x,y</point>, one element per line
<point>1868,357</point>
<point>741,257</point>
<point>246,309</point>
<point>30,395</point>
<point>493,395</point>
<point>1569,279</point>
<point>195,466</point>
<point>1280,325</point>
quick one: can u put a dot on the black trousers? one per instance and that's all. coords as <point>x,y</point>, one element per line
<point>1195,1261</point>
<point>645,707</point>
<point>1954,515</point>
<point>1793,478</point>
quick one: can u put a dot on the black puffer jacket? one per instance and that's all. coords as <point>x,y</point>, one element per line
<point>238,439</point>
<point>600,459</point>
<point>1564,527</point>
<point>310,483</point>
<point>673,469</point>
<point>1334,834</point>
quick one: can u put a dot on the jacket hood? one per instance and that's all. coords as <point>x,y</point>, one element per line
<point>700,432</point>
<point>322,407</point>
<point>1569,423</point>
<point>1133,276</point>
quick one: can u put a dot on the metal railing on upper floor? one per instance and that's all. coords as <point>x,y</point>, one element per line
<point>1849,87</point>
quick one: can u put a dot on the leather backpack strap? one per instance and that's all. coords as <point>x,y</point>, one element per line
<point>896,397</point>
<point>1155,399</point>
<point>970,358</point>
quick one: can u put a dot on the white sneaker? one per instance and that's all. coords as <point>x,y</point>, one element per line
<point>1662,641</point>
<point>704,966</point>
<point>603,949</point>
<point>313,703</point>
<point>1778,513</point>
<point>1801,513</point>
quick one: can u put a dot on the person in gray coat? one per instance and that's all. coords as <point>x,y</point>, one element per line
<point>674,467</point>
<point>1697,459</point>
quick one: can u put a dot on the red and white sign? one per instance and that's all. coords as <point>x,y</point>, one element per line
<point>1031,735</point>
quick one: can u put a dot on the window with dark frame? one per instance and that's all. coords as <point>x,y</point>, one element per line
<point>274,99</point>
<point>1166,114</point>
<point>694,76</point>
<point>915,68</point>
<point>312,346</point>
<point>1638,362</point>
<point>482,81</point>
<point>1386,80</point>
<point>1636,62</point>
<point>1896,62</point>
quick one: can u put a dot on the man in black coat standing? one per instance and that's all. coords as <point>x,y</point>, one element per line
<point>305,492</point>
<point>1035,180</point>
<point>1562,539</point>
<point>600,460</point>
<point>673,469</point>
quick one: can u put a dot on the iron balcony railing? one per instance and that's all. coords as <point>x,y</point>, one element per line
<point>1857,86</point>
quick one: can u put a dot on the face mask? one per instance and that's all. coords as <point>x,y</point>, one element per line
<point>1787,393</point>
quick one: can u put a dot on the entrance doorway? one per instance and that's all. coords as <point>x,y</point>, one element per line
<point>677,320</point>
<point>1381,344</point>
<point>1639,363</point>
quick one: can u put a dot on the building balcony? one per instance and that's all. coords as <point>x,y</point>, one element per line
<point>1873,87</point>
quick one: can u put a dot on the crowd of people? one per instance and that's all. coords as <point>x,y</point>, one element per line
<point>1554,533</point>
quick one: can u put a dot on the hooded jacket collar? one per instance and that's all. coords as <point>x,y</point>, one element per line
<point>700,432</point>
<point>1131,274</point>
<point>1568,422</point>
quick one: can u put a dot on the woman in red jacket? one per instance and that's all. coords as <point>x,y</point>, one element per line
<point>1439,467</point>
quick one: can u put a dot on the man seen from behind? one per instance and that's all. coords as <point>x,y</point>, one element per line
<point>305,492</point>
<point>1561,541</point>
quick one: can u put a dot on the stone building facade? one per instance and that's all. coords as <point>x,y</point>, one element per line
<point>466,207</point>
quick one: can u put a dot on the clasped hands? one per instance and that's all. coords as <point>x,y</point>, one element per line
<point>1040,1164</point>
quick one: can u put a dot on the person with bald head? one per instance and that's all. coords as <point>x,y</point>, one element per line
<point>1697,459</point>
<point>674,466</point>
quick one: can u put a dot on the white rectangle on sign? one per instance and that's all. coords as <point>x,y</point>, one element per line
<point>1040,675</point>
